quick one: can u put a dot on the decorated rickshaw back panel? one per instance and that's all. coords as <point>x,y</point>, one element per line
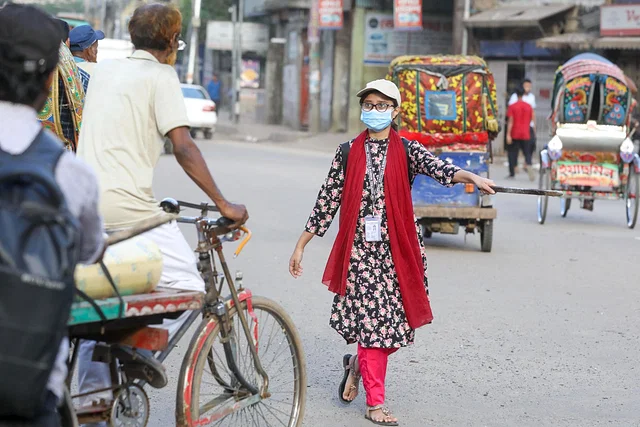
<point>446,100</point>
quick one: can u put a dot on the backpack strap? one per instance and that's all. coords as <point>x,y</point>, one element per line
<point>345,147</point>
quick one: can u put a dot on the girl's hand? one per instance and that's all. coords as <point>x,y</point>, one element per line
<point>295,263</point>
<point>484,184</point>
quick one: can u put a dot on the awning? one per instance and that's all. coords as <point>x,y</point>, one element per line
<point>510,16</point>
<point>617,43</point>
<point>581,41</point>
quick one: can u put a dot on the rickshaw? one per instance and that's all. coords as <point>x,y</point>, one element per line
<point>244,362</point>
<point>591,155</point>
<point>450,106</point>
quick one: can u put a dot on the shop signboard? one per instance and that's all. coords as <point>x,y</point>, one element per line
<point>407,14</point>
<point>330,13</point>
<point>383,44</point>
<point>620,20</point>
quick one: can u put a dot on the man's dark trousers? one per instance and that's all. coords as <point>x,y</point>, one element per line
<point>513,149</point>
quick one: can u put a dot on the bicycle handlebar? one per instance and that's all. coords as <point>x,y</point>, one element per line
<point>173,206</point>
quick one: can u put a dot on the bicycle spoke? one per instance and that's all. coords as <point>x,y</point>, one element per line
<point>269,409</point>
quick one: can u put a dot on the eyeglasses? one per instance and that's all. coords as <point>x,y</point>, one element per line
<point>381,108</point>
<point>181,44</point>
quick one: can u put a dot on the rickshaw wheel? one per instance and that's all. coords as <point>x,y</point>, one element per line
<point>565,204</point>
<point>137,415</point>
<point>486,236</point>
<point>543,201</point>
<point>631,198</point>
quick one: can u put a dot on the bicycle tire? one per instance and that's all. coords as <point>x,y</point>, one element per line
<point>199,357</point>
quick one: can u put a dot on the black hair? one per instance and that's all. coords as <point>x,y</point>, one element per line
<point>527,80</point>
<point>65,29</point>
<point>519,92</point>
<point>21,87</point>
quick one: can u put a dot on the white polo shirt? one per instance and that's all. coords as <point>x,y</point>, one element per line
<point>133,103</point>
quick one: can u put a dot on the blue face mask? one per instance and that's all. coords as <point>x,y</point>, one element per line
<point>375,120</point>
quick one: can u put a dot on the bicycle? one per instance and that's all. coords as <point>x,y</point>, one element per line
<point>232,373</point>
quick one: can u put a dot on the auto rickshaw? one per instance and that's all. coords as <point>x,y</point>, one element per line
<point>591,155</point>
<point>450,106</point>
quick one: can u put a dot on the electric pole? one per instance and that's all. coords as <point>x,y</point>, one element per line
<point>195,26</point>
<point>238,59</point>
<point>314,69</point>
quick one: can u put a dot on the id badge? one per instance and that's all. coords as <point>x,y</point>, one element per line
<point>372,228</point>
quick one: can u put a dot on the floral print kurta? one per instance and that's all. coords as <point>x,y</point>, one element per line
<point>371,311</point>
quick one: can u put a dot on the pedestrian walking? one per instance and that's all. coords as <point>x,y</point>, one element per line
<point>530,99</point>
<point>214,88</point>
<point>377,267</point>
<point>519,115</point>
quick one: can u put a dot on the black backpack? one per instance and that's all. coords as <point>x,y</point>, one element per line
<point>345,147</point>
<point>39,249</point>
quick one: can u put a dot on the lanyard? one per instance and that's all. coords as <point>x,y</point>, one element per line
<point>375,183</point>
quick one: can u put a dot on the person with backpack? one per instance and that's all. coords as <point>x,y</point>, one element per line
<point>49,222</point>
<point>377,267</point>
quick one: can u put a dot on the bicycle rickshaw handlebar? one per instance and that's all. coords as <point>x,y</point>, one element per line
<point>221,225</point>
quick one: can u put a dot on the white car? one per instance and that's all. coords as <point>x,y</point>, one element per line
<point>201,110</point>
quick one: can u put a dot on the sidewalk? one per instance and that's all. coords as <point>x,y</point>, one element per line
<point>249,131</point>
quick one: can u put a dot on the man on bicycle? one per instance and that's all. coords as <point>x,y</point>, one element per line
<point>29,43</point>
<point>133,105</point>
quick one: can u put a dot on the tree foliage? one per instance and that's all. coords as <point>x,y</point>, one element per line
<point>212,10</point>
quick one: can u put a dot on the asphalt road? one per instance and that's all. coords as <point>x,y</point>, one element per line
<point>543,331</point>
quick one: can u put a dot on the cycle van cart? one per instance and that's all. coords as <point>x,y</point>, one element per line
<point>243,366</point>
<point>590,155</point>
<point>450,106</point>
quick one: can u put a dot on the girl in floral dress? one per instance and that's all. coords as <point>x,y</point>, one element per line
<point>377,267</point>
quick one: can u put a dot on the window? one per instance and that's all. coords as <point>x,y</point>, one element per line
<point>193,92</point>
<point>440,105</point>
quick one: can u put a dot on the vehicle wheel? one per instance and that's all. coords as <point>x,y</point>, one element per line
<point>486,235</point>
<point>130,407</point>
<point>208,134</point>
<point>631,197</point>
<point>426,233</point>
<point>565,204</point>
<point>543,201</point>
<point>194,133</point>
<point>207,388</point>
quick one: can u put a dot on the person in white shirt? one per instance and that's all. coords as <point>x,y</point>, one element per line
<point>530,99</point>
<point>133,104</point>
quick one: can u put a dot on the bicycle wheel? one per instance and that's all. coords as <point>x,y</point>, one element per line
<point>210,394</point>
<point>631,198</point>
<point>543,201</point>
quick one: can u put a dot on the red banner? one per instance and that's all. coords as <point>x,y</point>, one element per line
<point>330,14</point>
<point>407,14</point>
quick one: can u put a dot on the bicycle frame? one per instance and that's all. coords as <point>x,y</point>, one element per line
<point>218,307</point>
<point>211,234</point>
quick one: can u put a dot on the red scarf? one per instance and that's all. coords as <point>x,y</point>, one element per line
<point>405,249</point>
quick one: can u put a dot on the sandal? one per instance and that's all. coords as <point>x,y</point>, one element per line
<point>348,369</point>
<point>381,422</point>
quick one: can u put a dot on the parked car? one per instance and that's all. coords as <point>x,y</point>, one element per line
<point>200,109</point>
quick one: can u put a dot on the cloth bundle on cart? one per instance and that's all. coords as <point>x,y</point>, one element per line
<point>446,100</point>
<point>135,266</point>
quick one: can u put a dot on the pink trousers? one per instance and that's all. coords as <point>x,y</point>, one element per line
<point>373,368</point>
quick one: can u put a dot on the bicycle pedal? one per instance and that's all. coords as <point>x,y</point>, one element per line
<point>140,367</point>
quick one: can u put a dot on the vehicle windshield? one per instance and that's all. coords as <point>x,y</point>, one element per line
<point>192,92</point>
